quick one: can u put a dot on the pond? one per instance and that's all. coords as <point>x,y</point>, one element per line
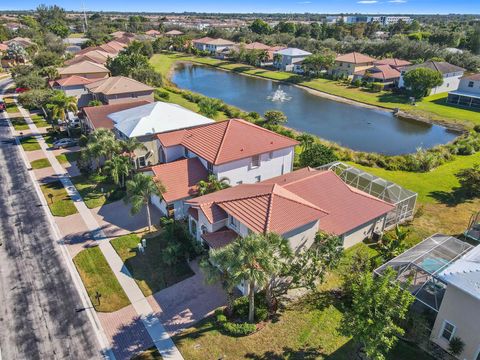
<point>352,126</point>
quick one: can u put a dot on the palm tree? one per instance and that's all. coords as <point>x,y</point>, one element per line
<point>306,140</point>
<point>393,244</point>
<point>130,145</point>
<point>209,107</point>
<point>102,143</point>
<point>139,191</point>
<point>59,105</point>
<point>212,184</point>
<point>248,260</point>
<point>119,167</point>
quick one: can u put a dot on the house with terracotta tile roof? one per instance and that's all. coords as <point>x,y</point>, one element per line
<point>173,33</point>
<point>348,64</point>
<point>234,149</point>
<point>73,85</point>
<point>451,75</point>
<point>152,32</point>
<point>211,45</point>
<point>296,206</point>
<point>384,74</point>
<point>119,89</point>
<point>96,56</point>
<point>393,62</point>
<point>86,69</point>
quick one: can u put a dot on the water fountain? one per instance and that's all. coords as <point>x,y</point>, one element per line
<point>279,96</point>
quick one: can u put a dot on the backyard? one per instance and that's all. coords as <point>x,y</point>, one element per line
<point>98,278</point>
<point>432,107</point>
<point>152,270</point>
<point>58,200</point>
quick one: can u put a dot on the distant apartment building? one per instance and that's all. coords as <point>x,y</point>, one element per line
<point>384,20</point>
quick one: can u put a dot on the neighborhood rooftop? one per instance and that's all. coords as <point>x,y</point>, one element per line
<point>293,52</point>
<point>226,141</point>
<point>355,58</point>
<point>442,67</point>
<point>86,67</point>
<point>98,115</point>
<point>117,85</point>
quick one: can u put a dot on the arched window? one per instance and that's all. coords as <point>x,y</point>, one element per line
<point>204,229</point>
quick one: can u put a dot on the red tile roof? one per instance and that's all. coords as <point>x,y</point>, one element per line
<point>392,62</point>
<point>381,72</point>
<point>203,40</point>
<point>473,77</point>
<point>355,58</point>
<point>289,201</point>
<point>226,141</point>
<point>98,115</point>
<point>257,46</point>
<point>220,238</point>
<point>72,81</point>
<point>180,178</point>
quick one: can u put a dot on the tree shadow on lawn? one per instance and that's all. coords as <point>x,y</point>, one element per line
<point>443,101</point>
<point>452,198</point>
<point>389,97</point>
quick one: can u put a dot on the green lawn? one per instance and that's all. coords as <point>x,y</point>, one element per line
<point>11,106</point>
<point>40,163</point>
<point>60,204</point>
<point>19,123</point>
<point>29,143</point>
<point>68,157</point>
<point>432,107</point>
<point>97,276</point>
<point>148,269</point>
<point>90,188</point>
<point>39,120</point>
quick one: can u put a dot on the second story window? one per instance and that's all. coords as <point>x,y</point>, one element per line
<point>255,161</point>
<point>185,152</point>
<point>470,84</point>
<point>234,223</point>
<point>210,167</point>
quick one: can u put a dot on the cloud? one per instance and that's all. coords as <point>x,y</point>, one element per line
<point>367,2</point>
<point>304,2</point>
<point>397,1</point>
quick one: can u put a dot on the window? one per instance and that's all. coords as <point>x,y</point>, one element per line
<point>258,178</point>
<point>203,229</point>
<point>141,161</point>
<point>170,210</point>
<point>470,84</point>
<point>240,182</point>
<point>448,330</point>
<point>193,227</point>
<point>270,155</point>
<point>185,152</point>
<point>255,161</point>
<point>210,167</point>
<point>234,222</point>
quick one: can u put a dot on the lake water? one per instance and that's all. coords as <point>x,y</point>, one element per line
<point>355,127</point>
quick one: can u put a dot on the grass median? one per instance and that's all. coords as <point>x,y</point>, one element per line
<point>58,200</point>
<point>19,123</point>
<point>99,279</point>
<point>29,143</point>
<point>40,164</point>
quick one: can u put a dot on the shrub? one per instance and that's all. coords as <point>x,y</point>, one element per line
<point>476,128</point>
<point>221,319</point>
<point>357,83</point>
<point>82,141</point>
<point>240,308</point>
<point>317,155</point>
<point>239,329</point>
<point>377,87</point>
<point>162,94</point>
<point>456,346</point>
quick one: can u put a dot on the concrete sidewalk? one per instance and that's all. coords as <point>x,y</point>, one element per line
<point>155,329</point>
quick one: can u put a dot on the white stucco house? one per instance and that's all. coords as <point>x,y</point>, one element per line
<point>296,206</point>
<point>451,75</point>
<point>213,46</point>
<point>235,150</point>
<point>468,92</point>
<point>289,59</point>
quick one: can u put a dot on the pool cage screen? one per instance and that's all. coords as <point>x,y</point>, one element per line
<point>403,199</point>
<point>419,268</point>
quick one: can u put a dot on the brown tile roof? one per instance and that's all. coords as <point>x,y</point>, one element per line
<point>83,67</point>
<point>180,178</point>
<point>226,141</point>
<point>442,67</point>
<point>355,58</point>
<point>473,77</point>
<point>257,46</point>
<point>98,115</point>
<point>392,62</point>
<point>381,72</point>
<point>152,32</point>
<point>220,238</point>
<point>220,42</point>
<point>174,32</point>
<point>72,81</point>
<point>117,85</point>
<point>289,201</point>
<point>96,56</point>
<point>3,47</point>
<point>203,40</point>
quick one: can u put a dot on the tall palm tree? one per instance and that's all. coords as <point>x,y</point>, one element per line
<point>212,184</point>
<point>119,167</point>
<point>60,104</point>
<point>248,260</point>
<point>139,191</point>
<point>306,140</point>
<point>130,145</point>
<point>102,143</point>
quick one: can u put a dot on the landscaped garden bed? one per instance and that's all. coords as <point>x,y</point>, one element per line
<point>160,266</point>
<point>29,143</point>
<point>58,200</point>
<point>99,279</point>
<point>40,163</point>
<point>96,190</point>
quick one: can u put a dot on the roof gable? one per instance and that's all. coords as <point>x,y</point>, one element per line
<point>118,85</point>
<point>355,58</point>
<point>83,67</point>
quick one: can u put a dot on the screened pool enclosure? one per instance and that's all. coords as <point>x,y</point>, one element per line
<point>419,268</point>
<point>403,199</point>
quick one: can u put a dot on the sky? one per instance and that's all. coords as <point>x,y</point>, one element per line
<point>265,6</point>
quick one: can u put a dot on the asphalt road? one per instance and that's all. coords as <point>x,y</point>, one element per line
<point>37,298</point>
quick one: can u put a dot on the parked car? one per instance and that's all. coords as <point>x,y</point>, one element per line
<point>21,90</point>
<point>64,143</point>
<point>3,107</point>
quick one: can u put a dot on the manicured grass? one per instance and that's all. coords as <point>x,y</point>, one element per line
<point>60,204</point>
<point>68,157</point>
<point>11,106</point>
<point>39,120</point>
<point>19,123</point>
<point>432,107</point>
<point>148,269</point>
<point>97,276</point>
<point>40,163</point>
<point>90,188</point>
<point>29,143</point>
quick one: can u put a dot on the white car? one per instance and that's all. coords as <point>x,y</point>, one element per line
<point>64,143</point>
